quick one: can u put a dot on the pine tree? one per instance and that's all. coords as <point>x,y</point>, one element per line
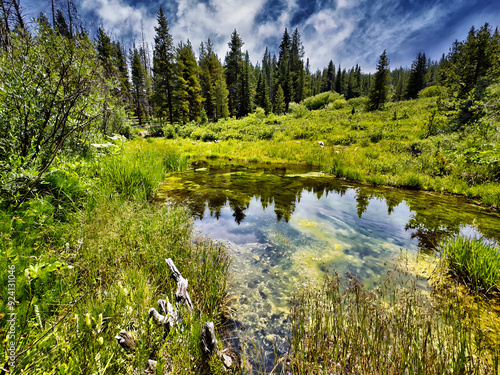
<point>469,68</point>
<point>138,85</point>
<point>284,78</point>
<point>262,95</point>
<point>120,62</point>
<point>210,71</point>
<point>297,67</point>
<point>188,100</point>
<point>163,68</point>
<point>279,102</point>
<point>61,25</point>
<point>233,64</point>
<point>416,81</point>
<point>221,97</point>
<point>378,94</point>
<point>245,92</point>
<point>338,81</point>
<point>330,77</point>
<point>104,50</point>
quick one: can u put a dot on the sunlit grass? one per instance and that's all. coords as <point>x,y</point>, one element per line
<point>473,261</point>
<point>341,328</point>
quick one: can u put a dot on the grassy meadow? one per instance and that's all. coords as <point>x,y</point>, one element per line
<point>88,255</point>
<point>409,145</point>
<point>88,251</point>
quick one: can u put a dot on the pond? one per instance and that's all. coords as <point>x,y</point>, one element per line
<point>286,225</point>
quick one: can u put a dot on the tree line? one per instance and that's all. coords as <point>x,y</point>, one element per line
<point>60,88</point>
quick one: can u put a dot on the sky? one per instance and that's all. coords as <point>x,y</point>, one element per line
<point>347,32</point>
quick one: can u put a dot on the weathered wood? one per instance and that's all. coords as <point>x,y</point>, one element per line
<point>125,340</point>
<point>208,340</point>
<point>181,295</point>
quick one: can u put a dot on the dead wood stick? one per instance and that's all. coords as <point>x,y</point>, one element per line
<point>181,295</point>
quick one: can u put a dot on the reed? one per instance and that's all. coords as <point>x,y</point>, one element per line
<point>341,328</point>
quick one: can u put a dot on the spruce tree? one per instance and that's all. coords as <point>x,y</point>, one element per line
<point>138,85</point>
<point>163,68</point>
<point>188,99</point>
<point>279,101</point>
<point>330,77</point>
<point>284,78</point>
<point>233,64</point>
<point>221,97</point>
<point>378,94</point>
<point>104,50</point>
<point>245,93</point>
<point>297,67</point>
<point>416,81</point>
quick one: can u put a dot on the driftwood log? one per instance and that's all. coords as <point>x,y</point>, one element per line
<point>181,295</point>
<point>167,317</point>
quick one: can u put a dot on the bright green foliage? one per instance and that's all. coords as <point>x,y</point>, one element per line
<point>320,100</point>
<point>163,68</point>
<point>187,91</point>
<point>60,284</point>
<point>474,262</point>
<point>51,95</point>
<point>378,94</point>
<point>470,67</point>
<point>279,102</point>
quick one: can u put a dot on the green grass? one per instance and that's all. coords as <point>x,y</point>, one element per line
<point>408,145</point>
<point>341,328</point>
<point>84,275</point>
<point>473,261</point>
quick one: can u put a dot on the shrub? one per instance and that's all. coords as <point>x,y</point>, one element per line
<point>321,100</point>
<point>429,92</point>
<point>297,110</point>
<point>169,131</point>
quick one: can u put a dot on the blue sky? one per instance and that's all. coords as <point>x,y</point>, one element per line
<point>348,32</point>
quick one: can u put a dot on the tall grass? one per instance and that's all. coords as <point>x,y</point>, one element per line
<point>474,261</point>
<point>340,328</point>
<point>82,280</point>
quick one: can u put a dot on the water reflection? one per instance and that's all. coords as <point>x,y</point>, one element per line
<point>210,188</point>
<point>286,225</point>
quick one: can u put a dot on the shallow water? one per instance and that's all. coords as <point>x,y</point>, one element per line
<point>286,225</point>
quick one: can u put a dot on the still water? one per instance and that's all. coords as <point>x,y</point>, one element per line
<point>286,225</point>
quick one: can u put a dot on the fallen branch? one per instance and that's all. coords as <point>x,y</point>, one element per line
<point>181,295</point>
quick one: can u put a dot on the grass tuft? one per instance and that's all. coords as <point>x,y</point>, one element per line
<point>474,262</point>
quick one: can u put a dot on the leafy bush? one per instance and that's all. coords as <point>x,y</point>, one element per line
<point>297,110</point>
<point>169,131</point>
<point>320,100</point>
<point>429,92</point>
